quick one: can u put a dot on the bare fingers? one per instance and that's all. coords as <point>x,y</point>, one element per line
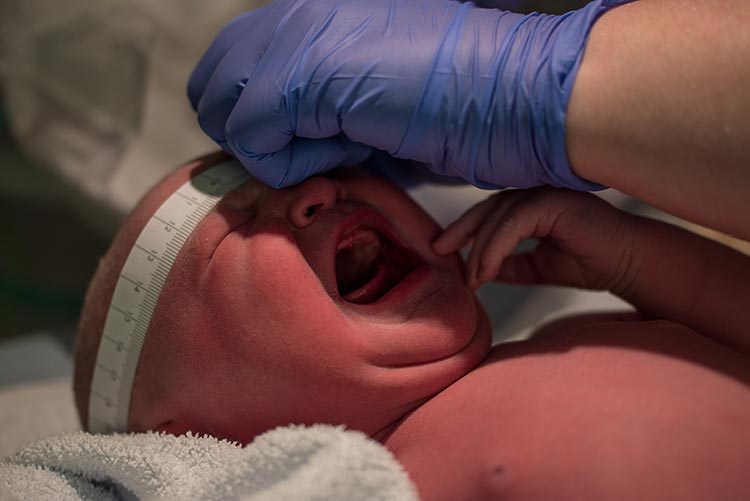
<point>493,232</point>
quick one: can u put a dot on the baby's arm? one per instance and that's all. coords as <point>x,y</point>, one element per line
<point>664,271</point>
<point>692,280</point>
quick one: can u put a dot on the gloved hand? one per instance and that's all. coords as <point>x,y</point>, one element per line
<point>514,5</point>
<point>301,86</point>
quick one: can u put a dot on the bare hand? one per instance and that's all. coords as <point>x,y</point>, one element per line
<point>583,241</point>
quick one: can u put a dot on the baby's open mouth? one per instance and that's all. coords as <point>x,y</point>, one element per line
<point>369,264</point>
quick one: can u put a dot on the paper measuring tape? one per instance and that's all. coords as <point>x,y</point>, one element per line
<point>137,290</point>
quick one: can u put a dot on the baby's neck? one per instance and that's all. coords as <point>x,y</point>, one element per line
<point>385,432</point>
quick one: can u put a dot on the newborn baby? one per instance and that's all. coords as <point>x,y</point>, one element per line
<point>327,302</point>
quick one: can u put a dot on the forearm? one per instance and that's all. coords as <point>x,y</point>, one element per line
<point>683,277</point>
<point>660,108</point>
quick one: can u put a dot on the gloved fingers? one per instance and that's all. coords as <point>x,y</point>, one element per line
<point>260,120</point>
<point>283,100</point>
<point>231,77</point>
<point>225,40</point>
<point>301,158</point>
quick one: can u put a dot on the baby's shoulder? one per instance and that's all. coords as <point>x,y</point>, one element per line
<point>573,403</point>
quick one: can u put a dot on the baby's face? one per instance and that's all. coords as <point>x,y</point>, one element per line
<point>318,303</point>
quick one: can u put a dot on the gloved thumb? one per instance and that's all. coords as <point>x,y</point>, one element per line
<point>406,173</point>
<point>300,159</point>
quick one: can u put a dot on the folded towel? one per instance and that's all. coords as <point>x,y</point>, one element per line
<point>288,463</point>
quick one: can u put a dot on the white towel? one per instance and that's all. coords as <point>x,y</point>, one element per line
<point>288,463</point>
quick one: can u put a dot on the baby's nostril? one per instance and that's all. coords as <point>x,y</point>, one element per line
<point>312,210</point>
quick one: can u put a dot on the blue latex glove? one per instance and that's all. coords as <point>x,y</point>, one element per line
<point>514,5</point>
<point>301,86</point>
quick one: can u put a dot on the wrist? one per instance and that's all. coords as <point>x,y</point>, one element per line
<point>630,264</point>
<point>544,57</point>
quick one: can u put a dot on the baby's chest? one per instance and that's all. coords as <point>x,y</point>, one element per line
<point>581,423</point>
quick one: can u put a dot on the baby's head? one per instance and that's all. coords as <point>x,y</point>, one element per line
<point>322,302</point>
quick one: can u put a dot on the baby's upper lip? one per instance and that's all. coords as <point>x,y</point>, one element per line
<point>370,218</point>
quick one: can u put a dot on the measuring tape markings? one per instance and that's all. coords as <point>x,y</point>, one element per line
<point>138,288</point>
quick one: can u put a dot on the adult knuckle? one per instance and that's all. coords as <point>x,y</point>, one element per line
<point>509,223</point>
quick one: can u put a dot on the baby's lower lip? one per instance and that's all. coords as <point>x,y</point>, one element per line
<point>402,291</point>
<point>372,290</point>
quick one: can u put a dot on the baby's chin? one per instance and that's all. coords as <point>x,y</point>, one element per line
<point>473,354</point>
<point>478,340</point>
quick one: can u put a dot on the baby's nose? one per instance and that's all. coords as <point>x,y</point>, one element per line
<point>309,198</point>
